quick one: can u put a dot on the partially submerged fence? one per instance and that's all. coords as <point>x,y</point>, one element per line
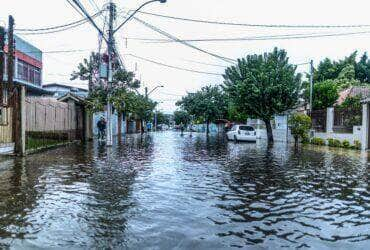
<point>50,122</point>
<point>346,118</point>
<point>318,118</point>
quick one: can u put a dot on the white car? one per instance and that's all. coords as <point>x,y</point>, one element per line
<point>242,133</point>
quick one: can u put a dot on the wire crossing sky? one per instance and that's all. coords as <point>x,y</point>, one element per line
<point>182,42</point>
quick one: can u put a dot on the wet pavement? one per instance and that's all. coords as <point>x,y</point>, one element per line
<point>164,191</point>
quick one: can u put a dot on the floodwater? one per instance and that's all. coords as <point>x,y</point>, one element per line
<point>164,191</point>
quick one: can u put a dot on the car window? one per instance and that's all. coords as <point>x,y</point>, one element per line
<point>246,128</point>
<point>234,128</point>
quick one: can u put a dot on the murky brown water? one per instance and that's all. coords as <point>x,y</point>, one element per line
<point>164,191</point>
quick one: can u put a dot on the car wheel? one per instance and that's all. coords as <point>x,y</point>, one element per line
<point>235,139</point>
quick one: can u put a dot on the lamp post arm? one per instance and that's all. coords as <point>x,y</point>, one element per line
<point>154,89</point>
<point>129,18</point>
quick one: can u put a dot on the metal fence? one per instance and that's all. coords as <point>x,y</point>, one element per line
<point>50,122</point>
<point>318,118</point>
<point>346,118</point>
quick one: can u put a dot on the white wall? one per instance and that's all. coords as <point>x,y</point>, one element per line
<point>351,137</point>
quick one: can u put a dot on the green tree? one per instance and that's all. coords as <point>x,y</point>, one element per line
<point>299,126</point>
<point>363,69</point>
<point>235,115</point>
<point>261,86</point>
<point>352,105</point>
<point>163,118</point>
<point>329,70</point>
<point>88,70</point>
<point>181,116</point>
<point>325,94</point>
<point>144,109</point>
<point>208,104</point>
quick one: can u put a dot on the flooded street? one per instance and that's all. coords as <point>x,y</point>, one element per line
<point>164,191</point>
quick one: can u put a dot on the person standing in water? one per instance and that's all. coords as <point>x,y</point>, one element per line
<point>102,125</point>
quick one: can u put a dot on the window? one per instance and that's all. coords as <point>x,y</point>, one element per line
<point>28,73</point>
<point>246,128</point>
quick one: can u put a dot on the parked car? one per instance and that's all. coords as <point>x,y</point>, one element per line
<point>242,133</point>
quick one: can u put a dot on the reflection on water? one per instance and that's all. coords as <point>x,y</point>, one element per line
<point>166,191</point>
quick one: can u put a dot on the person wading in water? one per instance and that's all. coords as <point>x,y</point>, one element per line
<point>102,125</point>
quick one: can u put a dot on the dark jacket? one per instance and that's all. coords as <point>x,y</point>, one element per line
<point>101,125</point>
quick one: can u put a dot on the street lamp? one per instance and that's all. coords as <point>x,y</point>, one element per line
<point>140,7</point>
<point>148,93</point>
<point>111,48</point>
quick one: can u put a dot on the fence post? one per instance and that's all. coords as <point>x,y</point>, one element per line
<point>365,126</point>
<point>329,120</point>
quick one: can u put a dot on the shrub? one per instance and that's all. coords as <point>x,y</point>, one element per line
<point>299,125</point>
<point>357,144</point>
<point>305,139</point>
<point>318,141</point>
<point>334,143</point>
<point>346,144</point>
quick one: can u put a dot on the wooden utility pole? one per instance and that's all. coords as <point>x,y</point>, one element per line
<point>2,59</point>
<point>10,51</point>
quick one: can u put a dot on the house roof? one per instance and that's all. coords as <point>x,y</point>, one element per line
<point>73,97</point>
<point>64,86</point>
<point>353,91</point>
<point>34,89</point>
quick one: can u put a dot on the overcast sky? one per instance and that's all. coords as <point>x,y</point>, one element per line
<point>57,67</point>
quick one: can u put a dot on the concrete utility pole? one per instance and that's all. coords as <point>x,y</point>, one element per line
<point>2,57</point>
<point>311,85</point>
<point>110,74</point>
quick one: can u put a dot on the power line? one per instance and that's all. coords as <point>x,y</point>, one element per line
<point>256,38</point>
<point>52,31</point>
<point>254,25</point>
<point>81,7</point>
<point>208,64</point>
<point>229,60</point>
<point>74,7</point>
<point>59,26</point>
<point>58,51</point>
<point>170,94</point>
<point>173,67</point>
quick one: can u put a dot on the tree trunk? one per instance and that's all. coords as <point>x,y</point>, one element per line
<point>296,141</point>
<point>119,125</point>
<point>142,126</point>
<point>270,137</point>
<point>207,128</point>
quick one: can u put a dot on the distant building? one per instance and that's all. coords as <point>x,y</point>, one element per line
<point>27,66</point>
<point>60,89</point>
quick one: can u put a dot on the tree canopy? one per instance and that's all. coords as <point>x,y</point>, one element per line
<point>208,104</point>
<point>261,86</point>
<point>181,117</point>
<point>330,69</point>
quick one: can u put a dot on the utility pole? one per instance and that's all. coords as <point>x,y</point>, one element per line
<point>10,51</point>
<point>146,92</point>
<point>2,57</point>
<point>311,85</point>
<point>110,74</point>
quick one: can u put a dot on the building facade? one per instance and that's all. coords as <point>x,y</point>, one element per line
<point>27,66</point>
